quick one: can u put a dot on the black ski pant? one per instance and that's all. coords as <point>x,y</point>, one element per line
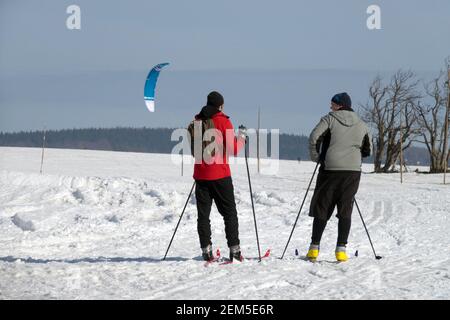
<point>333,189</point>
<point>343,230</point>
<point>222,192</point>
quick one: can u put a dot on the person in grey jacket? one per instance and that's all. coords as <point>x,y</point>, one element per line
<point>338,143</point>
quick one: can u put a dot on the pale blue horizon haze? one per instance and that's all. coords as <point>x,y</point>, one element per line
<point>286,57</point>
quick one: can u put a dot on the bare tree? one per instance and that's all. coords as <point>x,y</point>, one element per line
<point>391,113</point>
<point>431,119</point>
<point>374,113</point>
<point>403,97</point>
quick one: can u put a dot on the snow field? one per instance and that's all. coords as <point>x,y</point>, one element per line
<point>96,224</point>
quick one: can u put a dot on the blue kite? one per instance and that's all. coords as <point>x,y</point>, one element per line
<point>150,84</point>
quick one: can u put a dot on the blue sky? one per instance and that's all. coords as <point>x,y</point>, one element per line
<point>286,57</point>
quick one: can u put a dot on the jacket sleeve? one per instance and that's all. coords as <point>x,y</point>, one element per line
<point>315,138</point>
<point>366,146</point>
<point>233,144</point>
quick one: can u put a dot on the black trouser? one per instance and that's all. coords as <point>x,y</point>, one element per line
<point>221,191</point>
<point>343,230</point>
<point>334,189</point>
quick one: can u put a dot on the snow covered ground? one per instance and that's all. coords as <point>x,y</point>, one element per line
<point>96,224</point>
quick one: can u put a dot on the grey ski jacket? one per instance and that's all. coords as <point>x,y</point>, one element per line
<point>340,140</point>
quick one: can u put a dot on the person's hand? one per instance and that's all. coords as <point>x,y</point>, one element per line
<point>242,131</point>
<point>315,157</point>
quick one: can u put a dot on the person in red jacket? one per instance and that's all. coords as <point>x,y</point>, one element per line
<point>213,180</point>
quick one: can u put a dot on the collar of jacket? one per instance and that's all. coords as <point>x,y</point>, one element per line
<point>346,109</point>
<point>209,112</point>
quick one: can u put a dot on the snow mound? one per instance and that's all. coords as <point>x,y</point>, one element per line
<point>268,198</point>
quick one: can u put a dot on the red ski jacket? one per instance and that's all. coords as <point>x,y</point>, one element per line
<point>220,168</point>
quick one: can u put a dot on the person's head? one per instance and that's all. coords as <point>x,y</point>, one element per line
<point>341,100</point>
<point>215,99</point>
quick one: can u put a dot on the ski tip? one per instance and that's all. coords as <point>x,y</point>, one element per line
<point>207,263</point>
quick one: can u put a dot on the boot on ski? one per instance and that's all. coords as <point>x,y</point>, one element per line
<point>207,254</point>
<point>235,254</point>
<point>313,252</point>
<point>340,253</point>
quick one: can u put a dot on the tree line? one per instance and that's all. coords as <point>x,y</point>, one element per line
<point>150,140</point>
<point>153,140</point>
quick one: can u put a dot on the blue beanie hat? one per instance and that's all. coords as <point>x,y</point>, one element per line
<point>342,99</point>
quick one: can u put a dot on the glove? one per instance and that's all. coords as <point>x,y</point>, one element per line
<point>315,157</point>
<point>242,131</point>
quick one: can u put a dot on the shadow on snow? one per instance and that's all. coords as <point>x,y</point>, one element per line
<point>95,260</point>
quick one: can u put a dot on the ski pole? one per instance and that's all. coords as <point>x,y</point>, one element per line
<point>367,231</point>
<point>43,150</point>
<point>301,207</point>
<point>179,220</point>
<point>251,197</point>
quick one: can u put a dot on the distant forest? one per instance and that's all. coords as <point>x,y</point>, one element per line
<point>154,140</point>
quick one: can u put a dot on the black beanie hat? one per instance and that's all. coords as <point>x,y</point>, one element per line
<point>215,99</point>
<point>342,99</point>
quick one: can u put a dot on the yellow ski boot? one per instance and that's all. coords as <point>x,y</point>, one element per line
<point>341,255</point>
<point>313,252</point>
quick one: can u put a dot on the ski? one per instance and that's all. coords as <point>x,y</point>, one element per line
<point>305,258</point>
<point>266,255</point>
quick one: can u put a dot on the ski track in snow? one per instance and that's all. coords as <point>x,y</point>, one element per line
<point>96,224</point>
